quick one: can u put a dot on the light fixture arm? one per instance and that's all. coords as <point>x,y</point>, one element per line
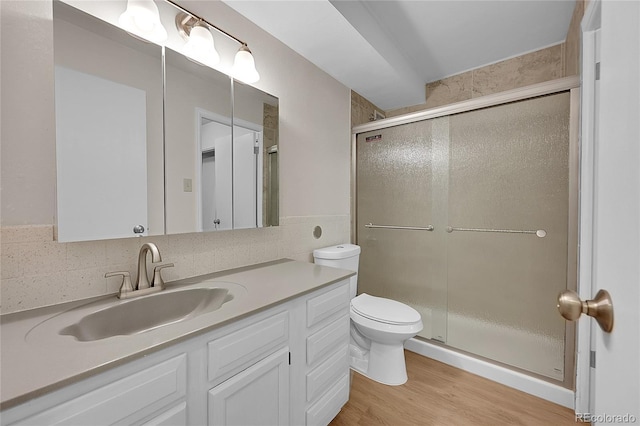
<point>183,21</point>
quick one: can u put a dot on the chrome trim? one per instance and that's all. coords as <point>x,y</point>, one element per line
<point>411,228</point>
<point>540,89</point>
<point>540,233</point>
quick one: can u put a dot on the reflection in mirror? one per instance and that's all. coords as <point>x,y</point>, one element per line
<point>211,183</point>
<point>108,104</point>
<point>255,160</point>
<point>198,168</point>
<point>272,189</point>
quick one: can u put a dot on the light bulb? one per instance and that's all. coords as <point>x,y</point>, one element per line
<point>200,46</point>
<point>142,19</point>
<point>244,66</point>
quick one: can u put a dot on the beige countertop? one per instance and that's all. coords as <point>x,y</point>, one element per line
<point>35,361</point>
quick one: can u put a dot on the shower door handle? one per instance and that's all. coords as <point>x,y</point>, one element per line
<point>601,308</point>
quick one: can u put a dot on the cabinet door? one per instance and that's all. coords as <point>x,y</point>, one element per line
<point>257,396</point>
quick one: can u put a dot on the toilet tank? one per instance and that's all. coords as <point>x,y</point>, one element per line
<point>343,256</point>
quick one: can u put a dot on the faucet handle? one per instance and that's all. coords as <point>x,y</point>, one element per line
<point>157,275</point>
<point>126,286</point>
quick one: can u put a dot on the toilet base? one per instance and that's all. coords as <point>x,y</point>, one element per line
<point>382,363</point>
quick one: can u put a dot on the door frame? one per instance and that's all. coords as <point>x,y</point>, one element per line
<point>589,26</point>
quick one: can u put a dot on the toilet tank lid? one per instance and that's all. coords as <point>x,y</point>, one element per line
<point>341,251</point>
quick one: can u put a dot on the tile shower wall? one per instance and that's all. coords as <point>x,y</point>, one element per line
<point>38,271</point>
<point>362,111</point>
<point>572,44</point>
<point>535,67</point>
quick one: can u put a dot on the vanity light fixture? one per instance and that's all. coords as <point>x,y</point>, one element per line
<point>199,46</point>
<point>142,19</point>
<point>200,49</point>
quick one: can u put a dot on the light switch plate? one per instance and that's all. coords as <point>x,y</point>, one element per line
<point>187,185</point>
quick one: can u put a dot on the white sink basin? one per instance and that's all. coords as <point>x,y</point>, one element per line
<point>113,317</point>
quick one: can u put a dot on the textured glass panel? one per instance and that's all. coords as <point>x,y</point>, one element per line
<point>509,170</point>
<point>505,168</point>
<point>394,187</point>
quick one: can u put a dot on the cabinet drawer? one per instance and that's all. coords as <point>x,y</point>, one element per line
<point>123,401</point>
<point>327,304</point>
<point>327,373</point>
<point>327,339</point>
<point>239,349</point>
<point>330,404</point>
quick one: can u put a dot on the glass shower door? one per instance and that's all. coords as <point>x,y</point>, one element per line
<point>494,183</point>
<point>509,171</point>
<point>394,189</point>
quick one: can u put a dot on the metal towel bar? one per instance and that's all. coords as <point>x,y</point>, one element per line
<point>541,233</point>
<point>412,228</point>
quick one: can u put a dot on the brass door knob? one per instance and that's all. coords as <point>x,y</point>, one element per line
<point>601,308</point>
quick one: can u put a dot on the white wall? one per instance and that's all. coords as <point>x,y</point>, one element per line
<point>314,164</point>
<point>28,127</point>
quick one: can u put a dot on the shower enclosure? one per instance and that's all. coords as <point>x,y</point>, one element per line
<point>468,214</point>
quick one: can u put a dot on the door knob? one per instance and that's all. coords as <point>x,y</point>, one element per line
<point>601,308</point>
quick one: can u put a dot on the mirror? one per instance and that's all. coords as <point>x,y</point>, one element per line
<point>197,146</point>
<point>116,178</point>
<point>108,106</point>
<point>255,159</point>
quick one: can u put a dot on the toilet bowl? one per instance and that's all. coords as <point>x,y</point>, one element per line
<point>385,325</point>
<point>379,326</point>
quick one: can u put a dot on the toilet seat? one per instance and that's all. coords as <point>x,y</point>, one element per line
<point>383,310</point>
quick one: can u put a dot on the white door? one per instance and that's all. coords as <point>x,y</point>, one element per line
<point>246,152</point>
<point>223,184</point>
<point>616,215</point>
<point>214,155</point>
<point>208,189</point>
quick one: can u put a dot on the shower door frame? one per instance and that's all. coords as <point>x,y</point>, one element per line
<point>570,84</point>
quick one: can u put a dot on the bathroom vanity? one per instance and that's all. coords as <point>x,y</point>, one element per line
<point>276,352</point>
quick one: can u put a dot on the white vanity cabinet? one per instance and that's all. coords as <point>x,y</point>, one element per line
<point>284,365</point>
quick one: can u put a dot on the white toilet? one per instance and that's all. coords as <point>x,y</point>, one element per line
<point>379,326</point>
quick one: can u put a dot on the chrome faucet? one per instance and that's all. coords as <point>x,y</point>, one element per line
<point>142,281</point>
<point>142,286</point>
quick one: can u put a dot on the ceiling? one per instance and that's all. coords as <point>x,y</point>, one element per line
<point>386,50</point>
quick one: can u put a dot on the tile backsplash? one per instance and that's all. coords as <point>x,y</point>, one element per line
<point>37,271</point>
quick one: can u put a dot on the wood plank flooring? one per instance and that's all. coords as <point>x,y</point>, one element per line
<point>438,394</point>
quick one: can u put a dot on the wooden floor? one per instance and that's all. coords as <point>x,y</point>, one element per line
<point>438,394</point>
